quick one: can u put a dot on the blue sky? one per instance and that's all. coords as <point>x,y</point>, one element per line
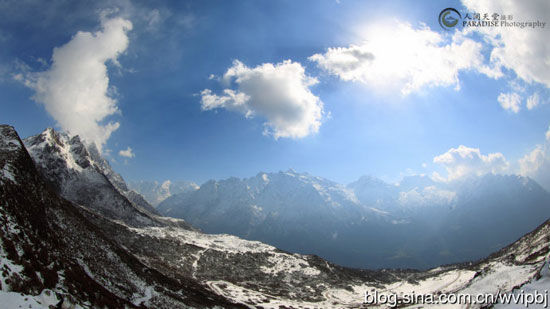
<point>368,87</point>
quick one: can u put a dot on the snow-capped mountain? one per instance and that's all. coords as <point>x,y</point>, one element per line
<point>54,252</point>
<point>374,192</point>
<point>269,195</point>
<point>415,223</point>
<point>80,174</point>
<point>293,211</point>
<point>155,192</point>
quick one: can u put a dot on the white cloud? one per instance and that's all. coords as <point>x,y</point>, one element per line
<point>188,21</point>
<point>437,177</point>
<point>230,99</point>
<point>516,85</point>
<point>533,161</point>
<point>75,89</point>
<point>510,101</point>
<point>128,153</point>
<point>397,55</point>
<point>277,92</point>
<point>153,19</point>
<point>525,51</point>
<point>465,161</point>
<point>536,164</point>
<point>533,101</point>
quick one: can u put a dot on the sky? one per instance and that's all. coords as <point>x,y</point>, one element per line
<point>198,90</point>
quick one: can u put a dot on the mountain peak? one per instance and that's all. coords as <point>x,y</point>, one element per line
<point>368,181</point>
<point>9,140</point>
<point>415,181</point>
<point>80,174</point>
<point>291,171</point>
<point>11,148</point>
<point>60,147</point>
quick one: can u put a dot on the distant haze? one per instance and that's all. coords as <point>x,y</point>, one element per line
<point>418,223</point>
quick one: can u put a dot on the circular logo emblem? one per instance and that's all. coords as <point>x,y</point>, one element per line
<point>448,18</point>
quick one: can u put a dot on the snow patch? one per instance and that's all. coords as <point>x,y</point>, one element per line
<point>219,242</point>
<point>18,300</point>
<point>288,264</point>
<point>533,287</point>
<point>7,268</point>
<point>501,278</point>
<point>147,293</point>
<point>7,173</point>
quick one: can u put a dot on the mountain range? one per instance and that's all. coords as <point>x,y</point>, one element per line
<point>369,223</point>
<point>72,238</point>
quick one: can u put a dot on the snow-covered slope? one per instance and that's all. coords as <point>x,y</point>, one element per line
<point>155,192</point>
<point>536,286</point>
<point>259,275</point>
